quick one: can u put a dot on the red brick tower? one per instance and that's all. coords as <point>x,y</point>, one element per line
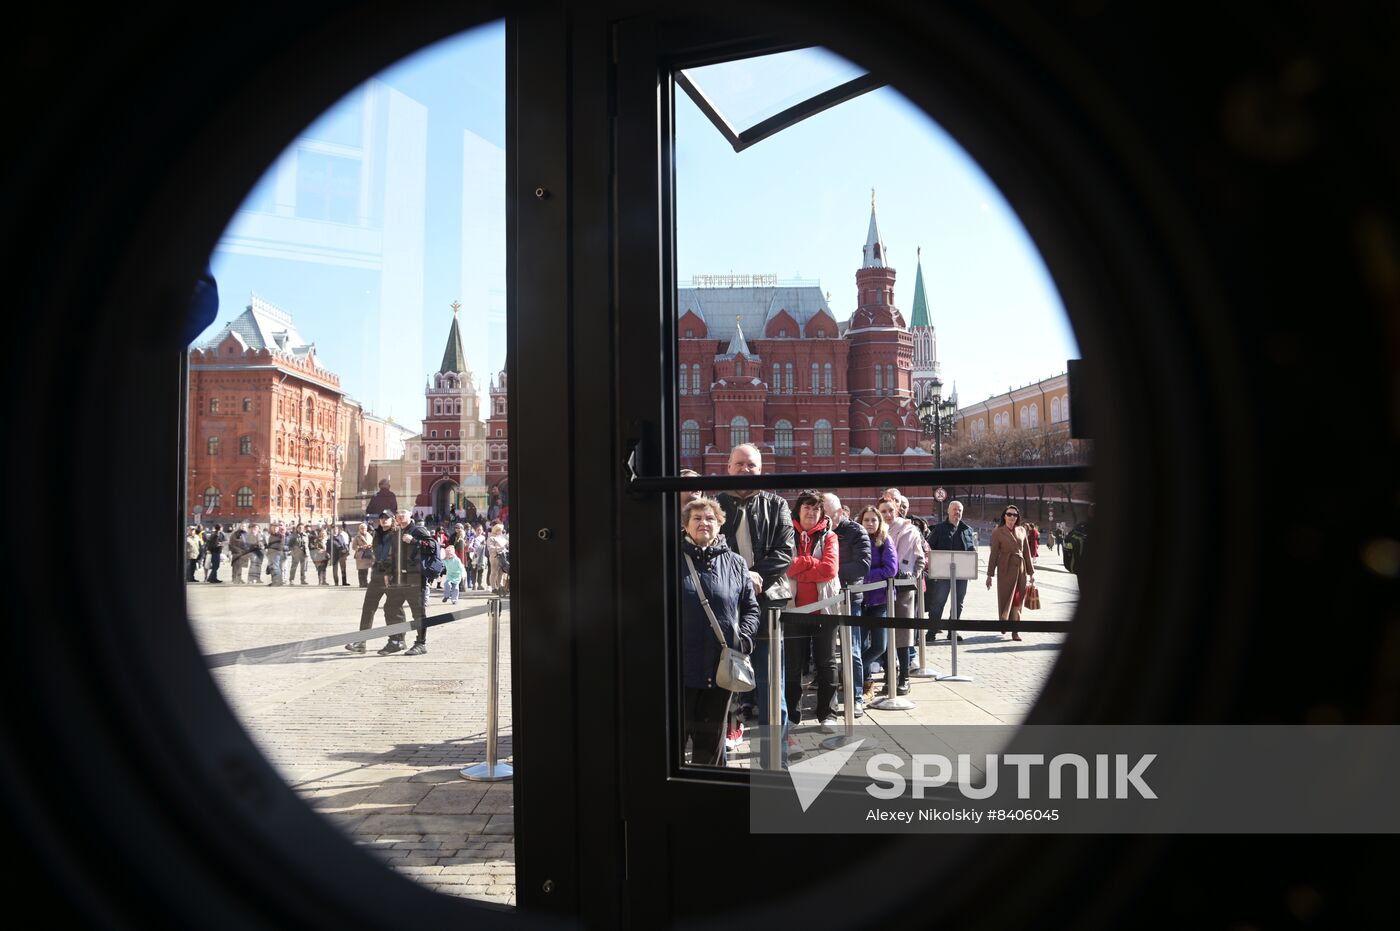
<point>881,359</point>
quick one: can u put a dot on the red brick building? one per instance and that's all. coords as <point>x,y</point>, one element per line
<point>270,431</point>
<point>772,366</point>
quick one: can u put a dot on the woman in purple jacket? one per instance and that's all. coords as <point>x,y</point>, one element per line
<point>883,565</point>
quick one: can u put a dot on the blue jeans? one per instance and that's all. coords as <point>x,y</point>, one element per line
<point>939,597</point>
<point>874,649</point>
<point>760,668</point>
<point>449,589</point>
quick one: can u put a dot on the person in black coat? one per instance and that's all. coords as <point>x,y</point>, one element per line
<point>949,534</point>
<point>726,586</point>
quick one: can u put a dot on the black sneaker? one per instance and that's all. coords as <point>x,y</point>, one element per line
<point>393,646</point>
<point>418,649</point>
<point>355,647</point>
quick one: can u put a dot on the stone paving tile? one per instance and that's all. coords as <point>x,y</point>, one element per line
<point>376,743</point>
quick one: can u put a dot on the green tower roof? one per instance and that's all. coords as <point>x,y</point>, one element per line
<point>453,358</point>
<point>919,315</point>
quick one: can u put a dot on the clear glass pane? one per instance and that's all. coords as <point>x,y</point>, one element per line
<point>873,244</point>
<point>356,366</point>
<point>749,90</point>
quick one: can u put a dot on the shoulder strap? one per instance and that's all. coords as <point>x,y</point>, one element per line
<point>705,602</point>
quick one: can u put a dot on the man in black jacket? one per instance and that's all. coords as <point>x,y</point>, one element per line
<point>414,546</point>
<point>758,526</point>
<point>214,540</point>
<point>950,534</point>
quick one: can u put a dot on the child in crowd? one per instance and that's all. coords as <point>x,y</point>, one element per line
<point>452,575</point>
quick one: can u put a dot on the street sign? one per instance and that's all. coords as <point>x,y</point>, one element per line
<point>1052,512</point>
<point>940,495</point>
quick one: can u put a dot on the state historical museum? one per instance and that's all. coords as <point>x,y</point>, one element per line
<point>773,367</point>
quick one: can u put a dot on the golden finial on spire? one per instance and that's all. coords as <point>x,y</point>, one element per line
<point>455,307</point>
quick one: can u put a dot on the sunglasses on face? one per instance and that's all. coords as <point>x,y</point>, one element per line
<point>1011,514</point>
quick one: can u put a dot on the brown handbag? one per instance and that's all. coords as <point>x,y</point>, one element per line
<point>1032,598</point>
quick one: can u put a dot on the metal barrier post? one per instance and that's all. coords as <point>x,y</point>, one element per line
<point>921,671</point>
<point>775,675</point>
<point>491,770</point>
<point>953,625</point>
<point>848,686</point>
<point>892,701</point>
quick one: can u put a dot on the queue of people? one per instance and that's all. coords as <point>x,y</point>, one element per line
<point>746,551</point>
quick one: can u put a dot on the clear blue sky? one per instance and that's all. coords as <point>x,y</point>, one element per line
<point>796,204</point>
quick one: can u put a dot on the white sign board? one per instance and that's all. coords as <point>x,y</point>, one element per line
<point>948,564</point>
<point>940,495</point>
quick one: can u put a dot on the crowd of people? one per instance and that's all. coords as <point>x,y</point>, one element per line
<point>747,551</point>
<point>398,561</point>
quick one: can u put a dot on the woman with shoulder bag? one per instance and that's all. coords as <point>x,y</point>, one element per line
<point>716,592</point>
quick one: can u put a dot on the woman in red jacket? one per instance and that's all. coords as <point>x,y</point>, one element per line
<point>815,561</point>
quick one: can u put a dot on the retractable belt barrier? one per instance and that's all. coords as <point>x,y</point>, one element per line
<point>281,652</point>
<point>890,701</point>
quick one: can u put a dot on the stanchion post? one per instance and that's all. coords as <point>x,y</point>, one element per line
<point>775,672</point>
<point>491,771</point>
<point>847,684</point>
<point>953,624</point>
<point>892,700</point>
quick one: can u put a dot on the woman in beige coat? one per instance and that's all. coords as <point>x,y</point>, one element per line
<point>1011,559</point>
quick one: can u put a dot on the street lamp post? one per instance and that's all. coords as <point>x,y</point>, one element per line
<point>936,419</point>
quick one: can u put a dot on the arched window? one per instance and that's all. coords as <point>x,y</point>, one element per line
<point>738,431</point>
<point>685,381</point>
<point>247,405</point>
<point>821,437</point>
<point>1064,406</point>
<point>447,433</point>
<point>816,378</point>
<point>457,406</point>
<point>690,438</point>
<point>310,411</point>
<point>432,434</point>
<point>821,332</point>
<point>1035,415</point>
<point>887,437</point>
<point>879,383</point>
<point>695,378</point>
<point>782,438</point>
<point>318,499</point>
<point>437,407</point>
<point>1054,410</point>
<point>211,499</point>
<point>213,405</point>
<point>245,445</point>
<point>689,333</point>
<point>1023,416</point>
<point>277,499</point>
<point>212,447</point>
<point>279,447</point>
<point>826,372</point>
<point>889,379</point>
<point>244,497</point>
<point>777,379</point>
<point>739,368</point>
